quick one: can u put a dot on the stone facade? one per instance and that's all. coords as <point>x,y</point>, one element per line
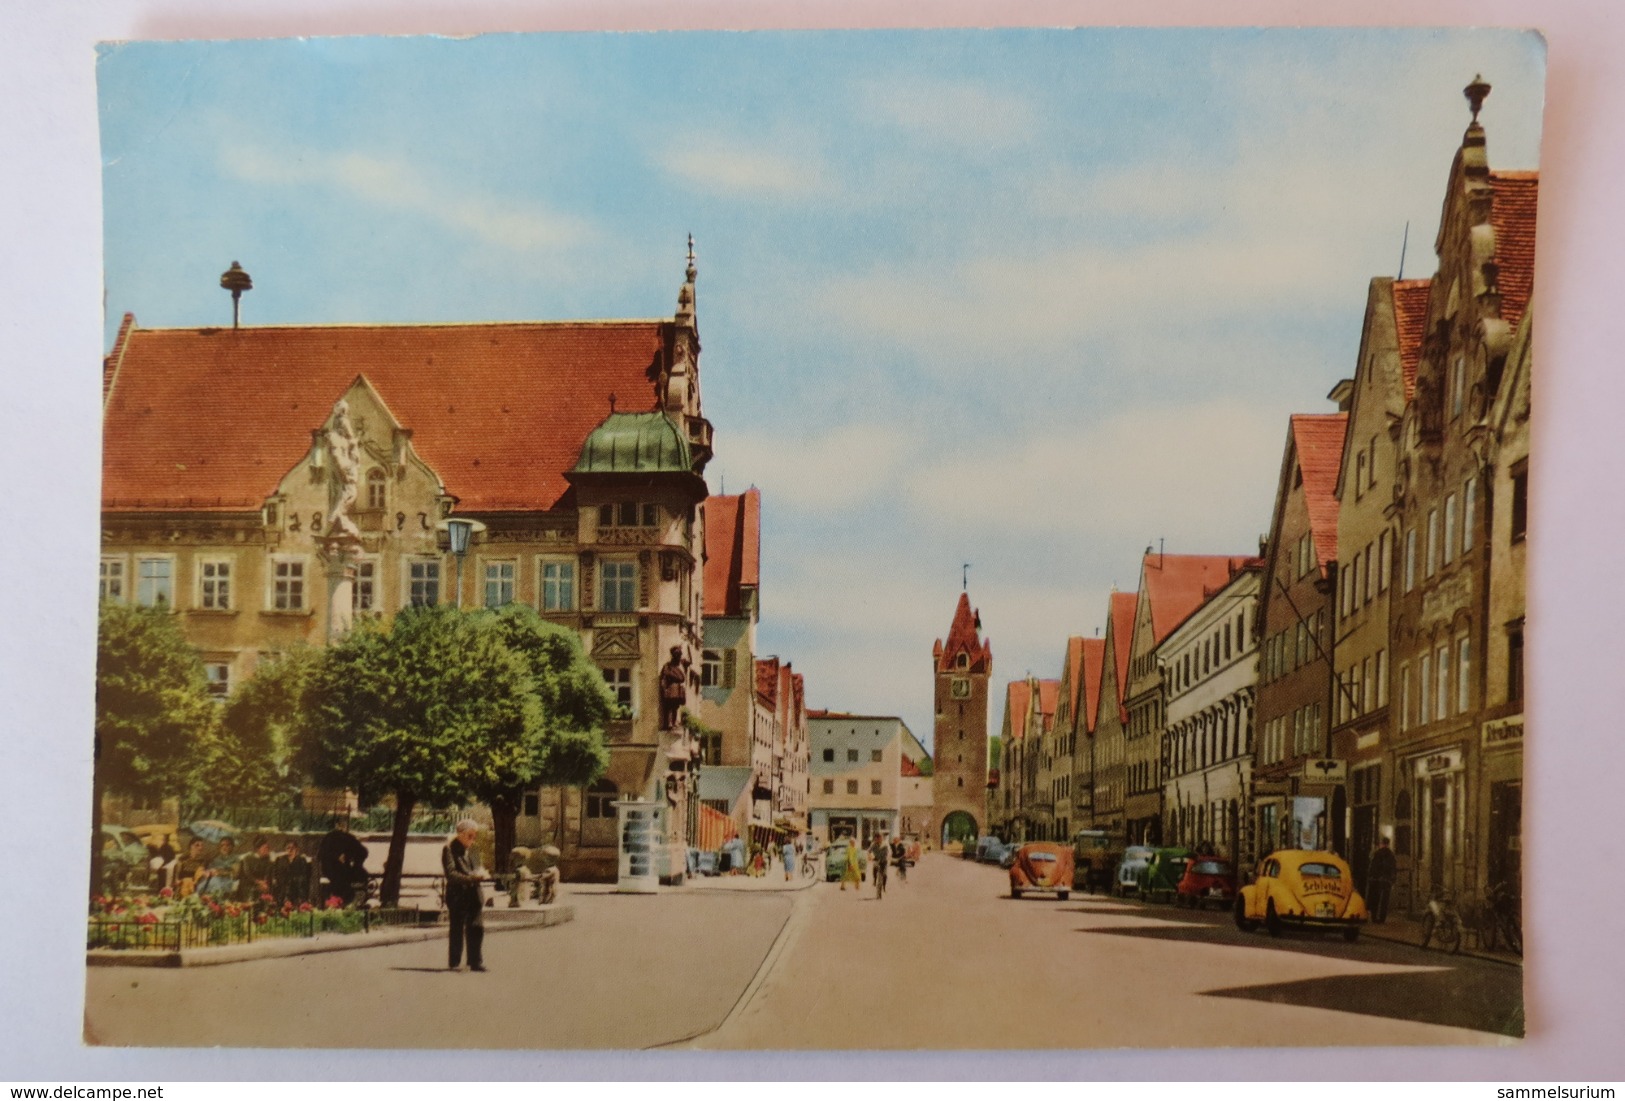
<point>1108,767</point>
<point>859,778</point>
<point>961,666</point>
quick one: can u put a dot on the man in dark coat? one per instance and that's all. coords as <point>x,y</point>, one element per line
<point>342,861</point>
<point>290,874</point>
<point>460,860</point>
<point>1380,876</point>
<point>254,873</point>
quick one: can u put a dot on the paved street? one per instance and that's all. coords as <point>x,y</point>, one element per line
<point>948,961</point>
<point>944,961</point>
<point>631,971</point>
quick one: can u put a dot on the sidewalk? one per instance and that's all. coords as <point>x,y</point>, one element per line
<point>1400,929</point>
<point>773,881</point>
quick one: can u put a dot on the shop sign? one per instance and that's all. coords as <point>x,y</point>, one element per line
<point>1325,770</point>
<point>1446,760</point>
<point>1499,732</point>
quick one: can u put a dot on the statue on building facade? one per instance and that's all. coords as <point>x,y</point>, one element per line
<point>673,689</point>
<point>344,474</point>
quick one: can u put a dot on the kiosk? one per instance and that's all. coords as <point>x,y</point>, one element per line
<point>642,832</point>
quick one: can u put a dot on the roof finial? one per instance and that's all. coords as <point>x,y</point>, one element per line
<point>612,402</point>
<point>685,293</point>
<point>964,577</point>
<point>691,270</point>
<point>1476,93</point>
<point>236,280</point>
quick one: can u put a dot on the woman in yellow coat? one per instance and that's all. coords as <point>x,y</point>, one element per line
<point>851,873</point>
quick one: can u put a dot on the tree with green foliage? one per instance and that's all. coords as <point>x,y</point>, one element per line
<point>425,710</point>
<point>245,760</point>
<point>576,703</point>
<point>153,709</point>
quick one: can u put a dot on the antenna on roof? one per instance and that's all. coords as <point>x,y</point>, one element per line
<point>1159,552</point>
<point>964,577</point>
<point>612,402</point>
<point>1403,242</point>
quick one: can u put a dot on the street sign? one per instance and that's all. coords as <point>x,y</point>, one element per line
<point>1325,770</point>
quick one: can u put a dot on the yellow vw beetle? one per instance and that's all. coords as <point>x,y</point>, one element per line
<point>1301,888</point>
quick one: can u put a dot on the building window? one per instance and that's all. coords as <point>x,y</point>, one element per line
<point>364,594</point>
<point>829,787</point>
<point>1410,560</point>
<point>218,676</point>
<point>375,489</point>
<point>628,514</point>
<point>874,787</point>
<point>498,584</point>
<point>558,586</point>
<point>112,581</point>
<point>1442,700</point>
<point>533,804</point>
<point>1385,554</point>
<point>1367,589</point>
<point>423,583</point>
<point>214,586</point>
<point>601,799</point>
<point>1469,512</point>
<point>618,587</point>
<point>1464,661</point>
<point>1404,696</point>
<point>1515,662</point>
<point>1359,475</point>
<point>154,582</point>
<point>852,756</point>
<point>1458,385</point>
<point>711,671</point>
<point>1433,542</point>
<point>1450,529</point>
<point>1367,685</point>
<point>620,686</point>
<point>288,585</point>
<point>829,755</point>
<point>1424,691</point>
<point>875,755</point>
<point>851,787</point>
<point>1520,500</point>
<point>1382,678</point>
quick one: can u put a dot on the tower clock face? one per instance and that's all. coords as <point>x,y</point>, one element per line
<point>960,688</point>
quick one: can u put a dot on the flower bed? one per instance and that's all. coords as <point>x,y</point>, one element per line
<point>162,922</point>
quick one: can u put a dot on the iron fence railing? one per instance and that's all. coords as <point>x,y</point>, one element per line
<point>247,928</point>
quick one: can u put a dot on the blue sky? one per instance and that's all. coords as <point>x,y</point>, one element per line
<point>1027,299</point>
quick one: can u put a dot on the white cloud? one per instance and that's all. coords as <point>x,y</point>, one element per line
<point>845,467</point>
<point>965,114</point>
<point>713,165</point>
<point>402,186</point>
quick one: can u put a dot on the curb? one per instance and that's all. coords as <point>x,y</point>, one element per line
<point>279,947</point>
<point>1397,936</point>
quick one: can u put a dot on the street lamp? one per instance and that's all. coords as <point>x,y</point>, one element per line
<point>458,533</point>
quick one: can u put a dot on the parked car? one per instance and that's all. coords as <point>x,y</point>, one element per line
<point>1301,888</point>
<point>1159,879</point>
<point>1207,879</point>
<point>1095,854</point>
<point>1041,866</point>
<point>1126,880</point>
<point>990,850</point>
<point>836,856</point>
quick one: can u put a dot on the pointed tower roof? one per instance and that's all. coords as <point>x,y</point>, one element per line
<point>964,637</point>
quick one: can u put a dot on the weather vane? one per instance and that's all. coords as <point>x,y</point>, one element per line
<point>964,577</point>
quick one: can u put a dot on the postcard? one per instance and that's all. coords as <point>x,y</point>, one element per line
<point>990,539</point>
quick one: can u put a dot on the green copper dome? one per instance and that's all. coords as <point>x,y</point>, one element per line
<point>635,443</point>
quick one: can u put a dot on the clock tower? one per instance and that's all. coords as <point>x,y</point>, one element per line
<point>961,665</point>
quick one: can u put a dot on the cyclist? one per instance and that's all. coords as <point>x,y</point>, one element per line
<point>878,853</point>
<point>899,857</point>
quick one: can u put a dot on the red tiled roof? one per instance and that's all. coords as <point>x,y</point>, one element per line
<point>1016,697</point>
<point>909,768</point>
<point>1512,216</point>
<point>964,637</point>
<point>798,694</point>
<point>733,550</point>
<point>1049,694</point>
<point>499,411</point>
<point>1318,440</point>
<point>767,681</point>
<point>1122,629</point>
<point>1411,319</point>
<point>1094,668</point>
<point>1177,584</point>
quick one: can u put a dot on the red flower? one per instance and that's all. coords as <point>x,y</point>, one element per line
<point>260,919</point>
<point>305,907</point>
<point>266,898</point>
<point>166,893</point>
<point>335,903</point>
<point>148,918</point>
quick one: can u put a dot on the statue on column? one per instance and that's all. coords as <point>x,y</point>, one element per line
<point>344,476</point>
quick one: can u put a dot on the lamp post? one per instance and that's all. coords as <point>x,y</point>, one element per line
<point>458,533</point>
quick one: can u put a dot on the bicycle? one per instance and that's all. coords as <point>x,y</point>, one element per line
<point>809,865</point>
<point>880,880</point>
<point>1442,921</point>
